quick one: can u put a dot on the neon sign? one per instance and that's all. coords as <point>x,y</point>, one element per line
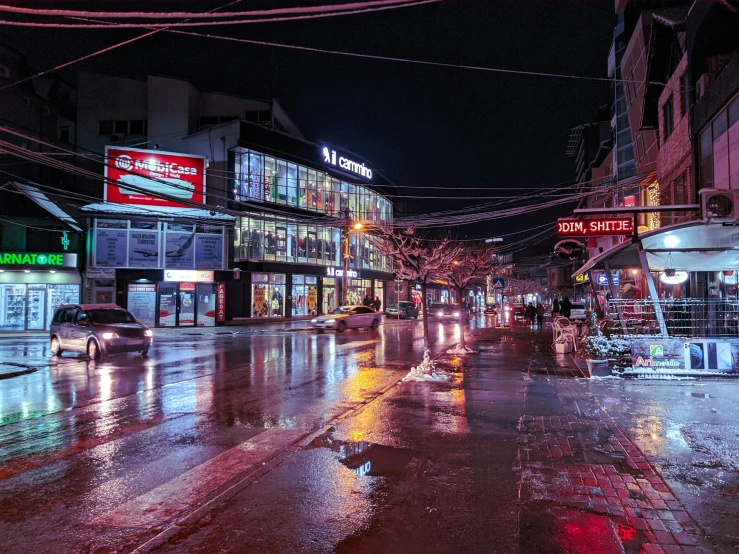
<point>330,157</point>
<point>595,227</point>
<point>65,241</point>
<point>12,258</point>
<point>334,272</point>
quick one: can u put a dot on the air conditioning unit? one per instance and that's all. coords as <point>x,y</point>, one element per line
<point>719,206</point>
<point>117,138</point>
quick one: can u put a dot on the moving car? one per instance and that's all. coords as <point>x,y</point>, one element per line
<point>491,309</point>
<point>519,311</point>
<point>97,329</point>
<point>402,310</point>
<point>347,317</point>
<point>449,312</point>
<point>578,311</point>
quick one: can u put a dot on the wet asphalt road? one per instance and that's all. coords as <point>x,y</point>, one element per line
<point>101,457</point>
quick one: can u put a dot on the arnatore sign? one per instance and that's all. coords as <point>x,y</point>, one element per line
<point>37,259</point>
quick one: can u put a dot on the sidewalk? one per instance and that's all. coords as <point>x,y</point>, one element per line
<point>578,465</point>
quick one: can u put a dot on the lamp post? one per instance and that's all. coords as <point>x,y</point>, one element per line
<point>348,228</point>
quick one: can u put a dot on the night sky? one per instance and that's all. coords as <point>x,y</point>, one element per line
<point>420,125</point>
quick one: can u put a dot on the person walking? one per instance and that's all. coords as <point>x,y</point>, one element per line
<point>530,315</point>
<point>539,315</point>
<point>566,307</point>
<point>555,308</point>
<point>377,304</point>
<point>367,301</point>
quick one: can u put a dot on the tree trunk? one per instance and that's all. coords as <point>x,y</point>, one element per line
<point>461,319</point>
<point>426,344</point>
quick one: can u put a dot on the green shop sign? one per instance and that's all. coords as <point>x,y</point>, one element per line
<point>32,259</point>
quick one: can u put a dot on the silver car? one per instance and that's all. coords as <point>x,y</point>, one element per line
<point>97,329</point>
<point>347,317</point>
<point>578,311</point>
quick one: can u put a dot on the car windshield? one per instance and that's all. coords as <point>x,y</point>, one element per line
<point>342,310</point>
<point>439,306</point>
<point>578,306</point>
<point>111,316</point>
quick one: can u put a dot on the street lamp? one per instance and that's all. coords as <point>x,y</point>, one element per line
<point>349,227</point>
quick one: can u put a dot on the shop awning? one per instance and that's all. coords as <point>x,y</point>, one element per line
<point>207,216</point>
<point>692,246</point>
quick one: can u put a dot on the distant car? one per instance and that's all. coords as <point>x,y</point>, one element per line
<point>402,310</point>
<point>491,309</point>
<point>97,329</point>
<point>347,317</point>
<point>519,311</point>
<point>449,312</point>
<point>578,311</point>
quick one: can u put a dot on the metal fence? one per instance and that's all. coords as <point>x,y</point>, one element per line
<point>683,317</point>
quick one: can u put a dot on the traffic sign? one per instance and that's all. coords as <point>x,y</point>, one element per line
<point>498,283</point>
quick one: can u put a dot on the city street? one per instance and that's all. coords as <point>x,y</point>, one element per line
<point>235,443</point>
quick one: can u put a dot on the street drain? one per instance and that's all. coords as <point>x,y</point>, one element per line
<point>368,459</point>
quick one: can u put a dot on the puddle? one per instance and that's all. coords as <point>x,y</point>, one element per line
<point>631,539</point>
<point>603,458</point>
<point>368,459</point>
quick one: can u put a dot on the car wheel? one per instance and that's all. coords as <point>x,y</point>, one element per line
<point>56,347</point>
<point>93,350</point>
<point>341,327</point>
<point>375,324</point>
<point>145,353</point>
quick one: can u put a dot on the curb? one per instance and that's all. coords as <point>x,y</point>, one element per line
<point>27,369</point>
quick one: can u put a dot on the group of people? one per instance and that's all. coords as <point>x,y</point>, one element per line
<point>536,313</point>
<point>376,303</point>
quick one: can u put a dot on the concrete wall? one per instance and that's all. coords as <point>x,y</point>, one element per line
<point>172,108</point>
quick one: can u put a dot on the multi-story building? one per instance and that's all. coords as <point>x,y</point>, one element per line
<point>272,205</point>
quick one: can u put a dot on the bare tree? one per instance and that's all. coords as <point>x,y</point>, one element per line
<point>470,263</point>
<point>416,259</point>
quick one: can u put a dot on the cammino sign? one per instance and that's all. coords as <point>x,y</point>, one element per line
<point>141,177</point>
<point>595,227</point>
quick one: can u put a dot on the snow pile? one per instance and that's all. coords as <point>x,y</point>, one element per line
<point>459,351</point>
<point>426,371</point>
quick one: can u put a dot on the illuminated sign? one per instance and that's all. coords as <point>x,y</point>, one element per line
<point>330,157</point>
<point>142,177</point>
<point>603,279</point>
<point>221,302</point>
<point>65,241</point>
<point>582,278</point>
<point>595,227</point>
<point>676,279</point>
<point>26,259</point>
<point>335,272</point>
<point>188,275</point>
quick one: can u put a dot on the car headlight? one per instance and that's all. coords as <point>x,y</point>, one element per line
<point>314,321</point>
<point>148,333</point>
<point>456,314</point>
<point>108,336</point>
<point>440,313</point>
<point>331,322</point>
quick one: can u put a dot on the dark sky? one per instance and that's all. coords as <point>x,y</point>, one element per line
<point>421,125</point>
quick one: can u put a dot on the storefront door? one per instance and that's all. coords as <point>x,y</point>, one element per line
<point>186,311</point>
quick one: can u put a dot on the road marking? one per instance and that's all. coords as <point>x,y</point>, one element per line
<point>169,500</point>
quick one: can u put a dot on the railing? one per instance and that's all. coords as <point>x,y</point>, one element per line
<point>683,317</point>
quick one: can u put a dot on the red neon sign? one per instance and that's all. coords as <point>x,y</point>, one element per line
<point>221,302</point>
<point>595,227</point>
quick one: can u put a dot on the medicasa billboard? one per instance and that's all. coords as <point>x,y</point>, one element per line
<point>141,177</point>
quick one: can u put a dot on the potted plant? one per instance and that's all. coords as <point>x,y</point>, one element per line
<point>597,349</point>
<point>562,346</point>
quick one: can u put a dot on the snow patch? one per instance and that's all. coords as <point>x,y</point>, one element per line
<point>426,371</point>
<point>459,351</point>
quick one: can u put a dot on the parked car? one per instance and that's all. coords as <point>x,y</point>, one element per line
<point>578,311</point>
<point>402,310</point>
<point>449,312</point>
<point>347,317</point>
<point>491,309</point>
<point>97,329</point>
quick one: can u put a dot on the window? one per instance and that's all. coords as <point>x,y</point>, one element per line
<point>106,127</point>
<point>684,93</point>
<point>121,127</point>
<point>680,192</point>
<point>705,163</point>
<point>64,133</point>
<point>208,120</point>
<point>734,112</point>
<point>137,126</point>
<point>668,123</point>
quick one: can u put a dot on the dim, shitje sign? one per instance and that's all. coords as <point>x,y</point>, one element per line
<point>595,227</point>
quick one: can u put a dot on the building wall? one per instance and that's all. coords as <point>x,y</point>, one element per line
<point>172,111</point>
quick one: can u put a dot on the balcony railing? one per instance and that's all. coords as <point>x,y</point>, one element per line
<point>683,317</point>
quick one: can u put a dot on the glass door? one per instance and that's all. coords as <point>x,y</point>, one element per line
<point>168,304</point>
<point>206,305</point>
<point>186,313</point>
<point>36,304</point>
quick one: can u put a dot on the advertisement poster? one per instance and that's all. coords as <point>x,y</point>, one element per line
<point>259,306</point>
<point>142,301</point>
<point>209,251</point>
<point>153,177</point>
<point>312,297</point>
<point>221,302</point>
<point>168,308</point>
<point>143,249</point>
<point>179,251</point>
<point>708,356</point>
<point>110,247</point>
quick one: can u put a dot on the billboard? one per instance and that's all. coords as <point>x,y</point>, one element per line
<point>141,177</point>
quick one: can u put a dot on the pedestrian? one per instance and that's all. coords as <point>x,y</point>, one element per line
<point>367,300</point>
<point>530,314</point>
<point>377,304</point>
<point>566,307</point>
<point>555,308</point>
<point>539,315</point>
